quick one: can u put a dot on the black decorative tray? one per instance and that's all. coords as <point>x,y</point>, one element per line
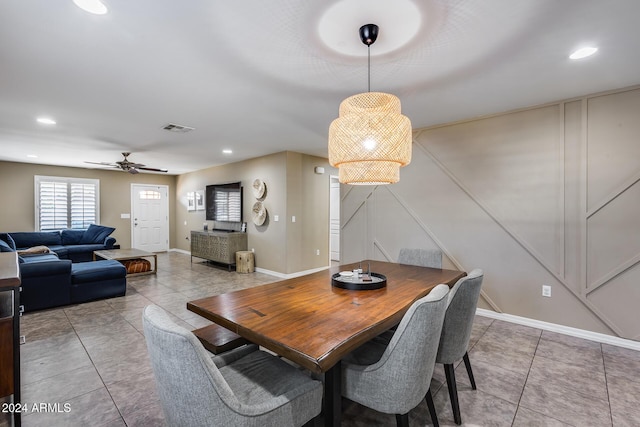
<point>360,283</point>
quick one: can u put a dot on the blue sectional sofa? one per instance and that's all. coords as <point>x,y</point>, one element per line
<point>50,280</point>
<point>76,245</point>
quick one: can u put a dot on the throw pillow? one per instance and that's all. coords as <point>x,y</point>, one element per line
<point>4,247</point>
<point>71,236</point>
<point>96,234</point>
<point>6,237</point>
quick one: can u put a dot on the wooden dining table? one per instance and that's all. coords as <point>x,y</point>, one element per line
<point>314,324</point>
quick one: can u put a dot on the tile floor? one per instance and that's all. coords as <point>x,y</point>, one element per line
<point>93,357</point>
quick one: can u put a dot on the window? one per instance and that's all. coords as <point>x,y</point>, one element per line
<point>228,206</point>
<point>149,194</point>
<point>66,202</point>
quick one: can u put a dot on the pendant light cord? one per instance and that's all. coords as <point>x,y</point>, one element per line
<point>369,68</point>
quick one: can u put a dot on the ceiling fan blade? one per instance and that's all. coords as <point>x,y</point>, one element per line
<point>154,169</point>
<point>103,163</point>
<point>133,171</point>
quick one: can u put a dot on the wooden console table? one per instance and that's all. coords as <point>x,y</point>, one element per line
<point>9,334</point>
<point>218,246</point>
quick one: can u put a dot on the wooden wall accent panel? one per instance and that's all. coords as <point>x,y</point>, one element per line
<point>512,164</point>
<point>613,237</point>
<point>618,300</point>
<point>613,144</point>
<point>532,198</point>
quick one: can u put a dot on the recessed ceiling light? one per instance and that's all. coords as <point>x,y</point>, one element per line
<point>227,151</point>
<point>92,6</point>
<point>32,156</point>
<point>46,120</point>
<point>583,52</point>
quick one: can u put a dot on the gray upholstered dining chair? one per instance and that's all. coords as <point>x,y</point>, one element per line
<point>394,376</point>
<point>242,387</point>
<point>421,257</point>
<point>456,332</point>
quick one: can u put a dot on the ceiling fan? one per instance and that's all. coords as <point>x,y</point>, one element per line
<point>128,166</point>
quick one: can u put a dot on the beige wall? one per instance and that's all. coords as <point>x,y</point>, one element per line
<point>547,195</point>
<point>17,193</point>
<point>292,190</point>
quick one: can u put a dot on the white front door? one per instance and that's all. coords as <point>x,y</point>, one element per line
<point>150,217</point>
<point>334,219</point>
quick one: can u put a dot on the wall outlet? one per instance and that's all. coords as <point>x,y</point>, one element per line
<point>293,218</point>
<point>276,218</point>
<point>317,251</point>
<point>546,290</point>
<point>253,250</point>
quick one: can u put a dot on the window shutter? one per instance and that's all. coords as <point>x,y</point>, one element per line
<point>83,205</point>
<point>53,205</point>
<point>66,202</point>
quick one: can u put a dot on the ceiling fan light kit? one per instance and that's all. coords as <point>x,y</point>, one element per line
<point>370,140</point>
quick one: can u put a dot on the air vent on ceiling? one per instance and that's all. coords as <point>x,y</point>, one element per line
<point>172,127</point>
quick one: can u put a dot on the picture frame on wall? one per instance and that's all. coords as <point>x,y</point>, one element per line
<point>199,200</point>
<point>191,201</point>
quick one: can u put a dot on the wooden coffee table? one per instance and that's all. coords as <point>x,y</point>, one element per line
<point>125,254</point>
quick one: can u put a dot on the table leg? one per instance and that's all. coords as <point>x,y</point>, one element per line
<point>333,396</point>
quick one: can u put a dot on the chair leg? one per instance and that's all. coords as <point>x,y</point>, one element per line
<point>402,420</point>
<point>432,408</point>
<point>467,364</point>
<point>453,392</point>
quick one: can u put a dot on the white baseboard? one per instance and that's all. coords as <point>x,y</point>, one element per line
<point>290,275</point>
<point>566,330</point>
<point>265,271</point>
<point>182,251</point>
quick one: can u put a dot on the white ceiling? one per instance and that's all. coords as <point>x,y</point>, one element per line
<point>258,76</point>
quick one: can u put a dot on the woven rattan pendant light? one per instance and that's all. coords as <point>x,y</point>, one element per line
<point>370,140</point>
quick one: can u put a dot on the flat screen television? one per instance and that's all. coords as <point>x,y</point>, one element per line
<point>223,202</point>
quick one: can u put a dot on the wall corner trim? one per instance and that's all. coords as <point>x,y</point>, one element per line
<point>566,330</point>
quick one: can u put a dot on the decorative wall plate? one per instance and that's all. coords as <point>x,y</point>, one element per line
<point>258,213</point>
<point>259,188</point>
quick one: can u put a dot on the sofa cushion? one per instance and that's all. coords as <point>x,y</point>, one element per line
<point>96,271</point>
<point>89,248</point>
<point>4,247</point>
<point>96,234</point>
<point>60,250</point>
<point>28,239</point>
<point>28,259</point>
<point>71,236</point>
<point>6,237</point>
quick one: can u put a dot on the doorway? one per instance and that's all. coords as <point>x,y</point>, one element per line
<point>334,219</point>
<point>150,217</point>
